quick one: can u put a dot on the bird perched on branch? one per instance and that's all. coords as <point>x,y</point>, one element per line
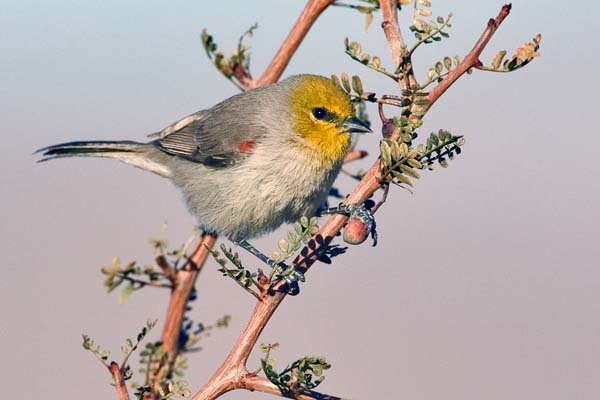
<point>251,162</point>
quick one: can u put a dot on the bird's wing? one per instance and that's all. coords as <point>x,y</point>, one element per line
<point>177,125</point>
<point>225,134</point>
<point>210,139</point>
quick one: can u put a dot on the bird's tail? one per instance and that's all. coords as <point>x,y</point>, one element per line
<point>141,155</point>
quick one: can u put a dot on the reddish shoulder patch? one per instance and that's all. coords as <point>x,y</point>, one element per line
<point>246,146</point>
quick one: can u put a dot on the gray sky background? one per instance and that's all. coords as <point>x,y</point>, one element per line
<point>484,285</point>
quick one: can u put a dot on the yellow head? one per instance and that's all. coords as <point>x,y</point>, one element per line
<point>323,115</point>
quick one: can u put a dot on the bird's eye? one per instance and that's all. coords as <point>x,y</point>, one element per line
<point>319,112</point>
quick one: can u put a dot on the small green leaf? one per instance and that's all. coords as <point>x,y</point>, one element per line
<point>346,82</point>
<point>125,293</point>
<point>357,85</point>
<point>402,178</point>
<point>284,245</point>
<point>448,63</point>
<point>409,171</point>
<point>304,221</point>
<point>435,140</point>
<point>414,163</point>
<point>385,150</point>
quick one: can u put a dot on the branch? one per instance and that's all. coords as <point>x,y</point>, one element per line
<point>472,59</point>
<point>391,29</point>
<point>309,15</point>
<point>183,283</point>
<point>232,374</point>
<point>258,383</point>
<point>117,374</point>
<point>354,155</point>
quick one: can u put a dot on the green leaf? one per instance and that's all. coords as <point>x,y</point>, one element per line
<point>402,178</point>
<point>357,85</point>
<point>125,293</point>
<point>385,150</point>
<point>448,63</point>
<point>414,163</point>
<point>409,171</point>
<point>434,139</point>
<point>346,82</point>
<point>304,221</point>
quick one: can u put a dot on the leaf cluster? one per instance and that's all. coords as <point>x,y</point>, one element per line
<point>238,60</point>
<point>440,70</point>
<point>431,31</point>
<point>354,50</point>
<point>301,376</point>
<point>255,283</point>
<point>523,56</point>
<point>172,389</point>
<point>128,349</point>
<point>368,7</point>
<point>353,88</point>
<point>242,276</point>
<point>400,161</point>
<point>300,235</point>
<point>158,274</point>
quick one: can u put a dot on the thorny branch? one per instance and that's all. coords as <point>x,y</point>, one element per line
<point>233,373</point>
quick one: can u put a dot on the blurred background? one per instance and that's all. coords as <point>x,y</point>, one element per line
<point>484,284</point>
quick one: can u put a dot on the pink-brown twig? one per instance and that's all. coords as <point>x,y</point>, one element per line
<point>307,18</point>
<point>391,29</point>
<point>472,59</point>
<point>117,374</point>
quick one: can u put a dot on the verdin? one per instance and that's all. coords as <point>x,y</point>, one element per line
<point>251,162</point>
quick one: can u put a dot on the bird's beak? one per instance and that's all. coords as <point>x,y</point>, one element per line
<point>352,125</point>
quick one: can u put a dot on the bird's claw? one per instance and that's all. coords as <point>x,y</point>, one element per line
<point>290,276</point>
<point>362,213</point>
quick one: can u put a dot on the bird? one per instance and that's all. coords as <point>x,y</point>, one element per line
<point>250,163</point>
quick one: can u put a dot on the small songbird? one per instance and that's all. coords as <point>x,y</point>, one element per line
<point>251,162</point>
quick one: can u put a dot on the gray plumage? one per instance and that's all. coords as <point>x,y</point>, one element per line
<point>240,194</point>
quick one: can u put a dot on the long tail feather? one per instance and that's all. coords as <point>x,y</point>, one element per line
<point>130,152</point>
